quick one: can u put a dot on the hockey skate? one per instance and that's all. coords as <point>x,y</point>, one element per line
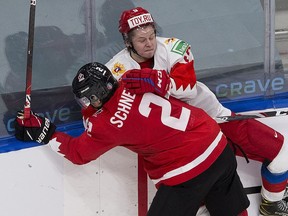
<point>285,197</point>
<point>268,208</point>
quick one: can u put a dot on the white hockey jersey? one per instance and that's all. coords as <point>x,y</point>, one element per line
<point>174,56</point>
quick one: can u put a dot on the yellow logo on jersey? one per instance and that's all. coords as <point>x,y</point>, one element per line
<point>170,40</point>
<point>118,69</point>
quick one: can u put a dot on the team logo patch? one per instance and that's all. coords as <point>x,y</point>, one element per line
<point>118,69</point>
<point>80,77</point>
<point>180,47</point>
<point>170,40</point>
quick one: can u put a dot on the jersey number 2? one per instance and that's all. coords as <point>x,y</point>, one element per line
<point>166,118</point>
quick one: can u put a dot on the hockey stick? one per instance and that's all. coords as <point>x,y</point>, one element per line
<point>27,106</point>
<point>222,119</point>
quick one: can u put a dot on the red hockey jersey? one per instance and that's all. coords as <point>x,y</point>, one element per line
<point>177,141</point>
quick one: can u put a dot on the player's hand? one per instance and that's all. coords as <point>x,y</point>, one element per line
<point>35,128</point>
<point>140,81</point>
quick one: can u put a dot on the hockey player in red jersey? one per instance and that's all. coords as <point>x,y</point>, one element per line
<point>185,153</point>
<point>145,50</point>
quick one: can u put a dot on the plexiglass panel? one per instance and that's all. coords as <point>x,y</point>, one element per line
<point>226,36</point>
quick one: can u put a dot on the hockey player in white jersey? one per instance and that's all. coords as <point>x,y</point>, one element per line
<point>153,54</point>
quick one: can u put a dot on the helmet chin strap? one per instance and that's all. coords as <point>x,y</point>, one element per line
<point>135,52</point>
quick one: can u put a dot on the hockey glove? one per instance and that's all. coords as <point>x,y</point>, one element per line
<point>140,81</point>
<point>36,128</point>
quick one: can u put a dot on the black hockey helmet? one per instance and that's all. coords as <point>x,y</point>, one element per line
<point>94,84</point>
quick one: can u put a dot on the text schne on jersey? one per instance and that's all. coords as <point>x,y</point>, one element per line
<point>123,108</point>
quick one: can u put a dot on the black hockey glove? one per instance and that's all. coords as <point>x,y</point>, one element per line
<point>36,128</point>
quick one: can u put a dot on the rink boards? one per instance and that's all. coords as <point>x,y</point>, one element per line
<point>36,181</point>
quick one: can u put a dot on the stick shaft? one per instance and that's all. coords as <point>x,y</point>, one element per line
<point>27,106</point>
<point>222,119</point>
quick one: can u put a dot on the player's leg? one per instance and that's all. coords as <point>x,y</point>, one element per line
<point>227,197</point>
<point>186,198</point>
<point>173,200</point>
<point>262,143</point>
<point>273,185</point>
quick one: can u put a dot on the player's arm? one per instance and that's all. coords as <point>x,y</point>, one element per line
<point>180,82</point>
<point>182,73</point>
<point>78,150</point>
<point>140,81</point>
